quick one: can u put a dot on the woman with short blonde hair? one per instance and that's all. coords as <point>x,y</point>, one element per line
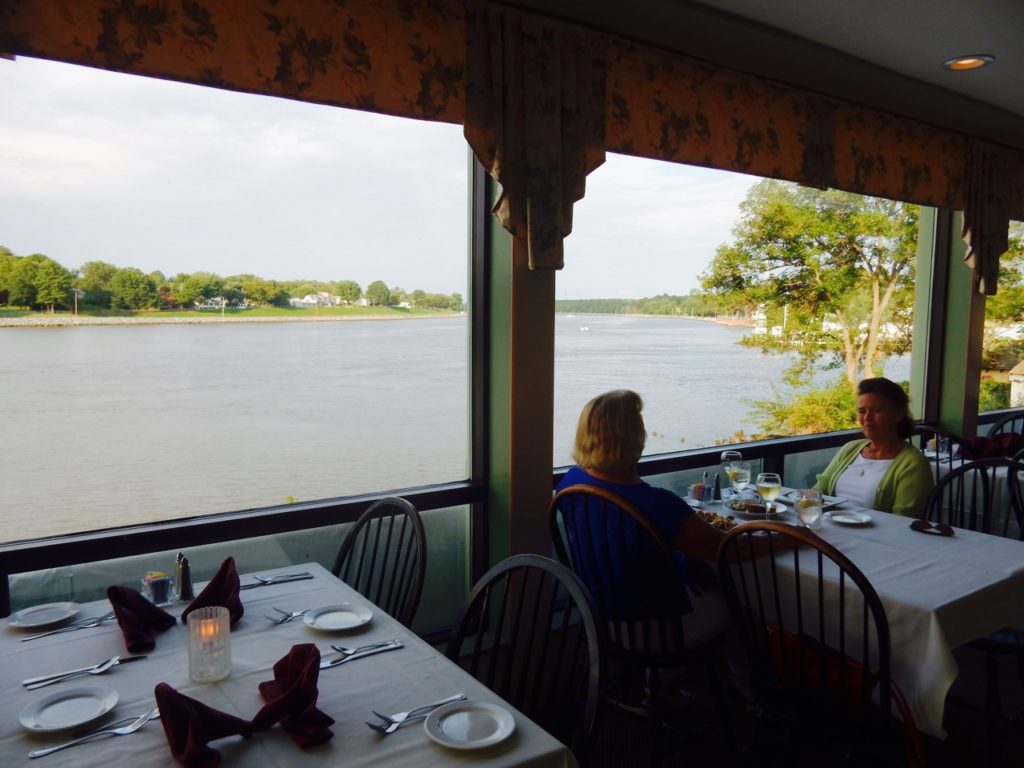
<point>610,434</point>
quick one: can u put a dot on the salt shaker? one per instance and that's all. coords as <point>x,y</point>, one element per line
<point>184,578</point>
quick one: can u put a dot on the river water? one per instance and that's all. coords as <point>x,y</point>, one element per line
<point>108,426</point>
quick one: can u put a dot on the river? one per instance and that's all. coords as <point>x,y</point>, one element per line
<point>108,426</point>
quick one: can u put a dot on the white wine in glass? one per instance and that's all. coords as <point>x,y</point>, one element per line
<point>769,486</point>
<point>729,460</point>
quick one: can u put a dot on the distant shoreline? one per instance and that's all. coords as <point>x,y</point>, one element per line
<point>72,321</point>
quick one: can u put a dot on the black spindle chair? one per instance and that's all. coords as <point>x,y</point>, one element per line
<point>528,633</point>
<point>384,557</point>
<point>1011,422</point>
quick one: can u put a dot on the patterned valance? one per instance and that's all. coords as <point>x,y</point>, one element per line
<point>408,58</point>
<point>987,211</point>
<point>535,119</point>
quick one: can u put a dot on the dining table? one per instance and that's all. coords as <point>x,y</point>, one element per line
<point>388,682</point>
<point>939,592</point>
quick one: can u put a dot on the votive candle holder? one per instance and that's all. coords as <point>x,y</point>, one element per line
<point>209,644</point>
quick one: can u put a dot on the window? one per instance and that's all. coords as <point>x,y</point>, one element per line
<point>1002,375</point>
<point>723,300</point>
<point>190,221</point>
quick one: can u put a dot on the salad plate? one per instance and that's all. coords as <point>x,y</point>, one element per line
<point>67,709</point>
<point>338,618</point>
<point>46,615</point>
<point>469,725</point>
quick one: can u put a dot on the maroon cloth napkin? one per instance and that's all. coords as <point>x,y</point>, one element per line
<point>222,590</point>
<point>1002,445</point>
<point>139,619</point>
<point>190,725</point>
<point>291,698</point>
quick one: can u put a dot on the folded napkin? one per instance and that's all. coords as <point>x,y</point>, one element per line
<point>190,725</point>
<point>291,698</point>
<point>139,619</point>
<point>222,590</point>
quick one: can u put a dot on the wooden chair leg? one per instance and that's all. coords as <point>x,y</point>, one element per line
<point>993,709</point>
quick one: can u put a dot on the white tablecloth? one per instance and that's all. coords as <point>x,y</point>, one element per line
<point>939,593</point>
<point>387,682</point>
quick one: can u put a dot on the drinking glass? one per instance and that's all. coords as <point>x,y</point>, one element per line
<point>769,485</point>
<point>729,460</point>
<point>739,476</point>
<point>808,506</point>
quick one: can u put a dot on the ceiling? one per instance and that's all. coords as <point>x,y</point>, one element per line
<point>885,54</point>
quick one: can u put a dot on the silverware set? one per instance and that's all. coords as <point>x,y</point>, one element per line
<point>124,730</point>
<point>33,683</point>
<point>95,621</point>
<point>393,722</point>
<point>349,654</point>
<point>286,616</point>
<point>283,578</point>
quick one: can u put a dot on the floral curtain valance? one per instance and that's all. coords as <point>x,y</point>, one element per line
<point>409,58</point>
<point>535,119</point>
<point>987,211</point>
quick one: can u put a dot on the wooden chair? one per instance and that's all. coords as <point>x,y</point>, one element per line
<point>529,634</point>
<point>1011,422</point>
<point>640,597</point>
<point>817,641</point>
<point>948,451</point>
<point>384,557</point>
<point>987,496</point>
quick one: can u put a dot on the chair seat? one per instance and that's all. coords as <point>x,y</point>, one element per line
<point>1006,640</point>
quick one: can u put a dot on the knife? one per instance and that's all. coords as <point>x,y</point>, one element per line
<point>394,646</point>
<point>81,670</point>
<point>278,580</point>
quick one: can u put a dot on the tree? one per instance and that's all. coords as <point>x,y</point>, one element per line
<point>837,267</point>
<point>94,278</point>
<point>378,294</point>
<point>196,287</point>
<point>456,302</point>
<point>1007,306</point>
<point>131,289</point>
<point>7,260</point>
<point>348,291</point>
<point>53,284</point>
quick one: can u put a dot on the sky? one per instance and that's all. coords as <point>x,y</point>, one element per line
<point>178,178</point>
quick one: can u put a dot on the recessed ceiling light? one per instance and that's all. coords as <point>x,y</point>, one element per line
<point>963,63</point>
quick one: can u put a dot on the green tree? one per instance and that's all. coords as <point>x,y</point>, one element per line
<point>1007,306</point>
<point>53,284</point>
<point>827,409</point>
<point>94,278</point>
<point>7,261</point>
<point>838,267</point>
<point>130,288</point>
<point>348,291</point>
<point>456,302</point>
<point>196,287</point>
<point>378,294</point>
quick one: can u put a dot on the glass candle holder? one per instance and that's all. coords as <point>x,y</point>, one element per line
<point>209,644</point>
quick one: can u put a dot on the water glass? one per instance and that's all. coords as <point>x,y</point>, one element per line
<point>209,644</point>
<point>808,506</point>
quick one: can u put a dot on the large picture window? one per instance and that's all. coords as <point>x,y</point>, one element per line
<point>212,301</point>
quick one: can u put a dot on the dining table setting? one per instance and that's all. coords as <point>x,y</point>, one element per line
<point>285,667</point>
<point>941,586</point>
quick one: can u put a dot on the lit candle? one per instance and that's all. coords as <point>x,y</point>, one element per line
<point>209,644</point>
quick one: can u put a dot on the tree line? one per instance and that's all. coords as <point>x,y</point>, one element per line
<point>39,282</point>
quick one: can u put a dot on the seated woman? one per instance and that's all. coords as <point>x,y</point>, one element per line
<point>881,470</point>
<point>610,438</point>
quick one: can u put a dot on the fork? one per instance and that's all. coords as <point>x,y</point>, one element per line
<point>286,616</point>
<point>124,730</point>
<point>349,651</point>
<point>395,721</point>
<point>95,621</point>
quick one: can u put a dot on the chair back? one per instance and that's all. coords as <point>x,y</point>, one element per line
<point>943,448</point>
<point>983,495</point>
<point>1011,422</point>
<point>528,633</point>
<point>813,628</point>
<point>384,557</point>
<point>633,573</point>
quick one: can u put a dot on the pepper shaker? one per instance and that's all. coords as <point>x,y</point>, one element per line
<point>184,578</point>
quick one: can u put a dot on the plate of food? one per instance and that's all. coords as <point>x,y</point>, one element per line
<point>754,510</point>
<point>469,725</point>
<point>72,708</point>
<point>338,618</point>
<point>46,615</point>
<point>715,520</point>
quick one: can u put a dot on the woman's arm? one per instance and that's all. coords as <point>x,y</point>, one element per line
<point>697,538</point>
<point>913,487</point>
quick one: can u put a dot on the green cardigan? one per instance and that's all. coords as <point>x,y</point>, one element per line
<point>903,489</point>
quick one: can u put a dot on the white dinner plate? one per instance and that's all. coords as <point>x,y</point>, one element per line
<point>776,509</point>
<point>469,725</point>
<point>849,518</point>
<point>43,615</point>
<point>68,709</point>
<point>336,618</point>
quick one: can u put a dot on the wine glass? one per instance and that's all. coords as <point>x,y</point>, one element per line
<point>739,475</point>
<point>769,486</point>
<point>729,460</point>
<point>808,506</point>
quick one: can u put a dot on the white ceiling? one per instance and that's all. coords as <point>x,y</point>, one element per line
<point>885,54</point>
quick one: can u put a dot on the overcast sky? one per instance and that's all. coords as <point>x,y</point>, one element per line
<point>177,178</point>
